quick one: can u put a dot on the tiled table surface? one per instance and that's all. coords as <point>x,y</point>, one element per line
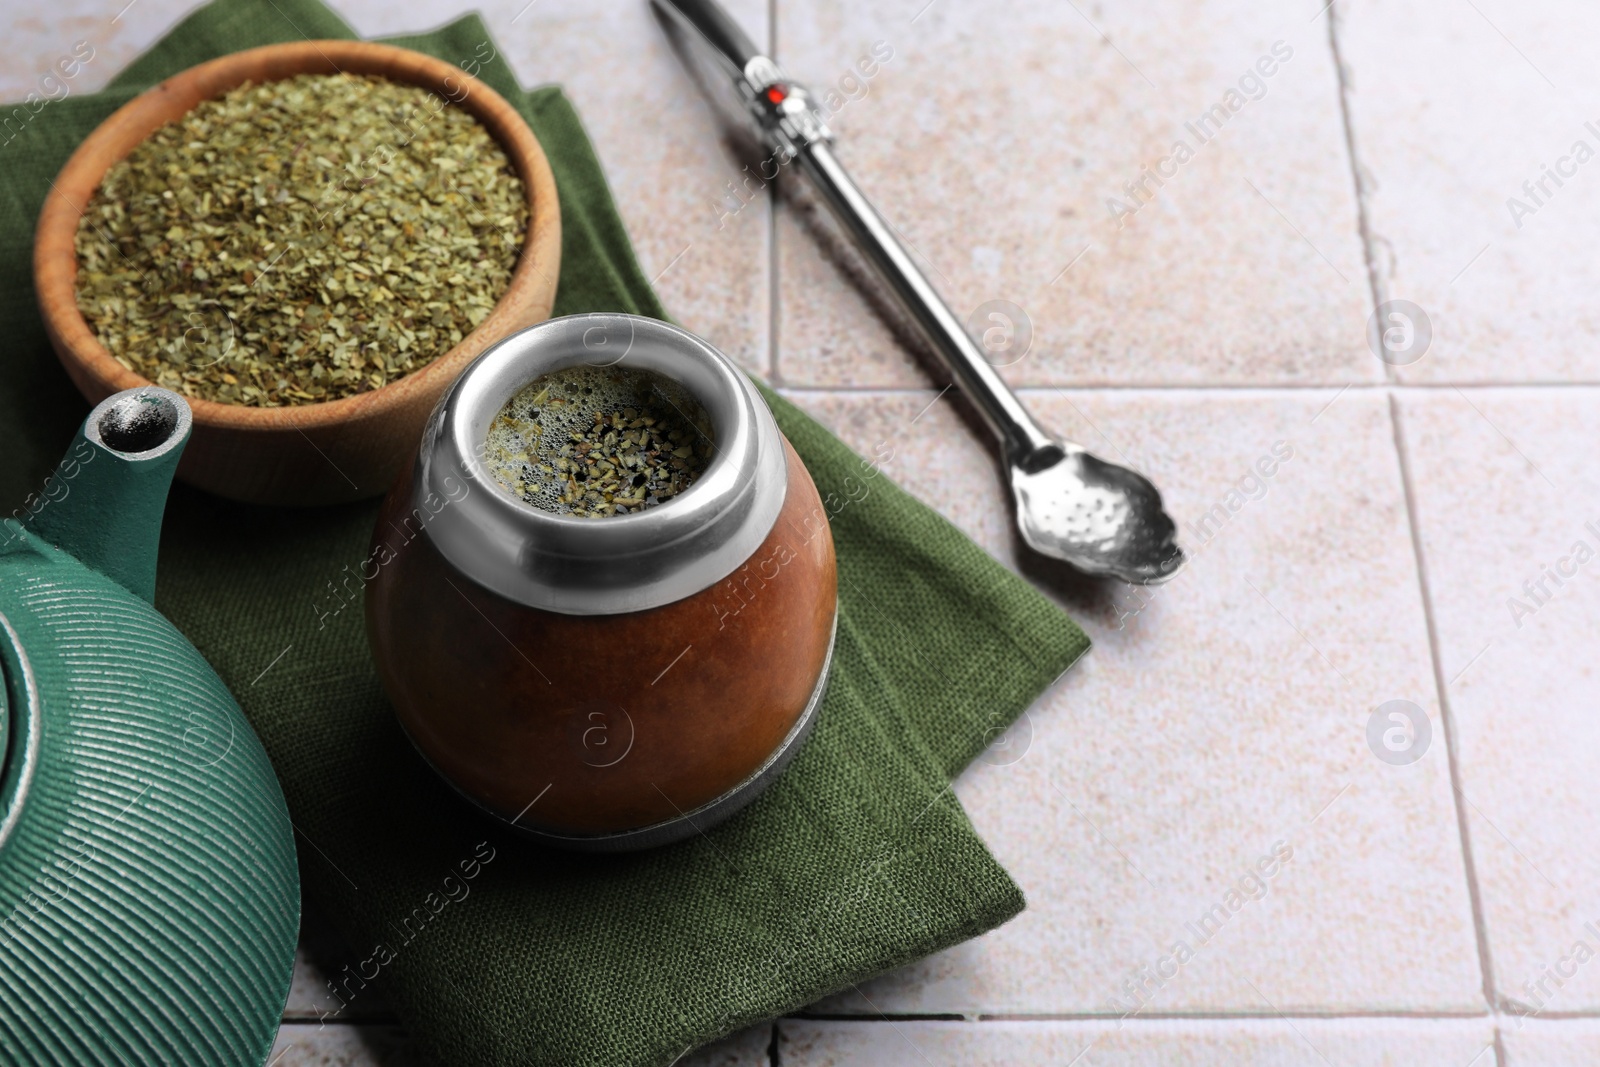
<point>1423,534</point>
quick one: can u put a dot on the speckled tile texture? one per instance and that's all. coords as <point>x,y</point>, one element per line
<point>1477,128</point>
<point>1326,797</point>
<point>1541,1043</point>
<point>1260,1043</point>
<point>1220,719</point>
<point>1002,139</point>
<point>1513,553</point>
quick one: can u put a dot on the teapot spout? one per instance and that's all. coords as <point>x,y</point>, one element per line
<point>104,502</point>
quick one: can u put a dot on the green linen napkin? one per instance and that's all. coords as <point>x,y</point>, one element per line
<point>495,951</point>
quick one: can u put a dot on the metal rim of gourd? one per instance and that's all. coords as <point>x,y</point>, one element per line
<point>598,566</point>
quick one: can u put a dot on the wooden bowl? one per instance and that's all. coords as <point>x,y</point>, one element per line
<point>319,453</point>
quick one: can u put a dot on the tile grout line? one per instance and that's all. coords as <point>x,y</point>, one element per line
<point>1375,283</point>
<point>1248,1016</point>
<point>1446,715</point>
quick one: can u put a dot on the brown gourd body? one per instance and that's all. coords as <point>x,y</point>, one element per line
<point>598,724</point>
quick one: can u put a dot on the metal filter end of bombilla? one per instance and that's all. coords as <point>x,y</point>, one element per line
<point>1102,518</point>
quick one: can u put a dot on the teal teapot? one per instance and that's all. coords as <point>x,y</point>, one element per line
<point>149,898</point>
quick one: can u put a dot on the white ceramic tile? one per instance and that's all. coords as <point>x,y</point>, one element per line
<point>104,35</point>
<point>1547,1043</point>
<point>1507,487</point>
<point>1229,712</point>
<point>996,135</point>
<point>1197,1043</point>
<point>1455,105</point>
